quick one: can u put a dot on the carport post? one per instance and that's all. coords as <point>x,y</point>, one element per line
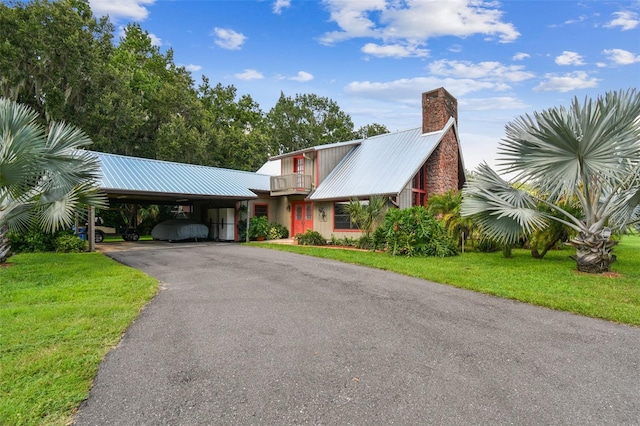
<point>247,228</point>
<point>91,235</point>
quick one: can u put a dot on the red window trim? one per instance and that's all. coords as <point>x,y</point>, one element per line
<point>260,204</point>
<point>295,163</point>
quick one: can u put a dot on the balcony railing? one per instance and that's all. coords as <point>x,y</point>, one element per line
<point>291,184</point>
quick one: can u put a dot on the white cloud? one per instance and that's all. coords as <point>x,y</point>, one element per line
<point>249,74</point>
<point>416,21</point>
<point>625,20</point>
<point>279,5</point>
<point>491,71</point>
<point>393,51</point>
<point>404,90</point>
<point>228,38</point>
<point>155,40</point>
<point>569,58</point>
<point>193,68</point>
<point>490,104</point>
<point>567,82</point>
<point>302,76</point>
<point>134,10</point>
<point>621,57</point>
<point>520,56</point>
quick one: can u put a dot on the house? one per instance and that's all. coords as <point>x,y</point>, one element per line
<point>306,189</point>
<point>314,185</point>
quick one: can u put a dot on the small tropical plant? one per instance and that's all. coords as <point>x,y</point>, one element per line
<point>366,215</point>
<point>311,238</point>
<point>45,176</point>
<point>277,232</point>
<point>446,208</point>
<point>590,152</point>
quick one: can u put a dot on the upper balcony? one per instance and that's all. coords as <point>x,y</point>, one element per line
<point>291,184</point>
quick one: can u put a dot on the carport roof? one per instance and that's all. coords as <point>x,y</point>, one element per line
<point>142,177</point>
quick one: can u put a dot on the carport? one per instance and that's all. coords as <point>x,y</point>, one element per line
<point>209,190</point>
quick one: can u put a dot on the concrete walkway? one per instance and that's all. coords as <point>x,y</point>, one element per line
<point>241,335</point>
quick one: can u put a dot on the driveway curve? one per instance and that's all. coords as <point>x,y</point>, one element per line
<point>244,335</point>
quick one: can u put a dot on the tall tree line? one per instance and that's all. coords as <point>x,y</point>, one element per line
<point>132,99</point>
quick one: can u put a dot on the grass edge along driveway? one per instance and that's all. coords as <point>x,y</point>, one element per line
<point>551,282</point>
<point>59,316</point>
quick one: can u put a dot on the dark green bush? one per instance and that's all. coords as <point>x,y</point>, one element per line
<point>311,238</point>
<point>413,232</point>
<point>34,240</point>
<point>68,243</point>
<point>258,227</point>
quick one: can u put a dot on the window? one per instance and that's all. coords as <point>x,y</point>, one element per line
<point>260,210</point>
<point>342,219</point>
<point>298,164</point>
<point>419,188</point>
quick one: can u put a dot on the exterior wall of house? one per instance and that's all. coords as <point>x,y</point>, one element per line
<point>405,199</point>
<point>325,226</point>
<point>329,158</point>
<point>309,163</point>
<point>323,223</point>
<point>442,166</point>
<point>272,203</point>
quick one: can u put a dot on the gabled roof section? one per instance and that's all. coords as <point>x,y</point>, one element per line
<point>122,174</point>
<point>380,165</point>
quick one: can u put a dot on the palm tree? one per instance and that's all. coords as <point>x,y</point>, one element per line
<point>446,207</point>
<point>590,151</point>
<point>44,175</point>
<point>366,215</point>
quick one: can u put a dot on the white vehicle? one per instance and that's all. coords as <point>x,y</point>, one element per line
<point>101,230</point>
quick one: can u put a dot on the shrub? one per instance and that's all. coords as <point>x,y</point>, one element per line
<point>413,232</point>
<point>68,243</point>
<point>346,241</point>
<point>258,227</point>
<point>311,238</point>
<point>277,231</point>
<point>32,241</point>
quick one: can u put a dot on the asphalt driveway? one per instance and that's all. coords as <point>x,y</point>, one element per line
<point>243,335</point>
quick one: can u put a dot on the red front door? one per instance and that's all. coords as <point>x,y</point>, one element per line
<point>302,217</point>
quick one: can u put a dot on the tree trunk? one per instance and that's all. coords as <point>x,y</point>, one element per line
<point>5,245</point>
<point>593,253</point>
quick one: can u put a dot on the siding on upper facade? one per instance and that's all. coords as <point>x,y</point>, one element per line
<point>328,159</point>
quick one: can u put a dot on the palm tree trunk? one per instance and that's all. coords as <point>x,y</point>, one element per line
<point>5,245</point>
<point>593,253</point>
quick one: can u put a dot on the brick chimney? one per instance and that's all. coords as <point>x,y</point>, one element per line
<point>437,107</point>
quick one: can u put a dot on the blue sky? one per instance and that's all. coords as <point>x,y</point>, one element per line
<point>500,59</point>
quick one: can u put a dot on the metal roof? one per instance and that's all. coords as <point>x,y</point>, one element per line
<point>380,165</point>
<point>145,176</point>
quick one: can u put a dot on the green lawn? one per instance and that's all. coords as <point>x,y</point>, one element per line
<point>59,315</point>
<point>552,282</point>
